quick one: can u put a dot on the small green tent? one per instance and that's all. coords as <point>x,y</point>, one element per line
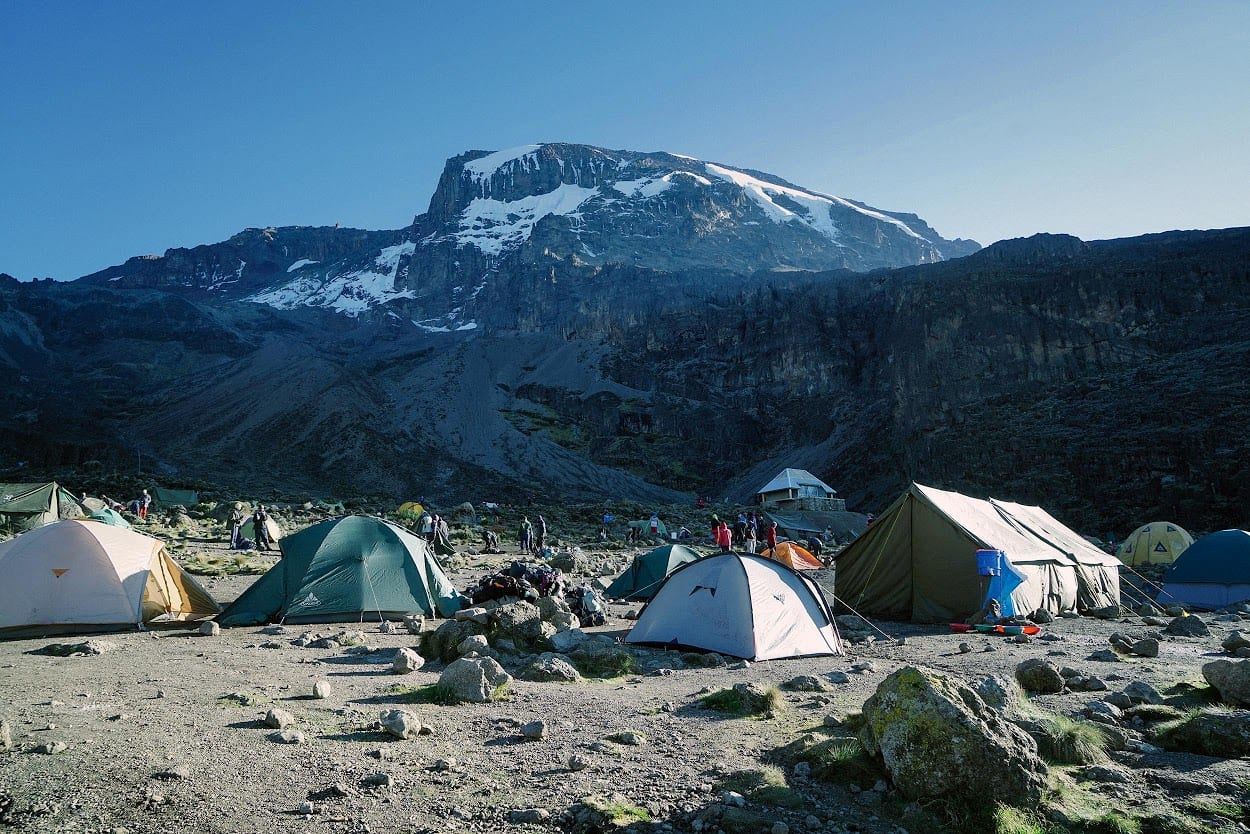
<point>109,516</point>
<point>27,506</point>
<point>643,526</point>
<point>344,570</point>
<point>168,497</point>
<point>645,574</point>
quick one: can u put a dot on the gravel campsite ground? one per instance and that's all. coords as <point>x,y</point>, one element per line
<point>163,731</point>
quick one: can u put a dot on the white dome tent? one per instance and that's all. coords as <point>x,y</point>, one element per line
<point>87,576</point>
<point>739,605</point>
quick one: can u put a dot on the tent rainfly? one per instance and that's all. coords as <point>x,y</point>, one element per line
<point>739,605</point>
<point>917,561</point>
<point>27,506</point>
<point>162,497</point>
<point>344,570</point>
<point>648,570</point>
<point>1213,572</point>
<point>82,575</point>
<point>1156,543</point>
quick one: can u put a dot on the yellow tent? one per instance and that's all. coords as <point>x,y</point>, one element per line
<point>1156,543</point>
<point>792,556</point>
<point>410,509</point>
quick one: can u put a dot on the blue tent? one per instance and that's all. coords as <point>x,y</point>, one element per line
<point>1212,572</point>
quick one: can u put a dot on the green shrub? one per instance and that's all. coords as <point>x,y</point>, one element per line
<point>1062,740</point>
<point>609,664</point>
<point>742,700</point>
<point>430,693</point>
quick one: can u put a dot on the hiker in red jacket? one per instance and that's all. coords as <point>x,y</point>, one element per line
<point>723,536</point>
<point>771,536</point>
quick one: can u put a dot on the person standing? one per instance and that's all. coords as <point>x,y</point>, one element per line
<point>655,525</point>
<point>724,537</point>
<point>525,534</point>
<point>236,524</point>
<point>260,519</point>
<point>426,523</point>
<point>771,536</point>
<point>540,534</point>
<point>749,541</point>
<point>145,501</point>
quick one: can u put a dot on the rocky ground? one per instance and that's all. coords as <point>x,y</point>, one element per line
<point>166,730</point>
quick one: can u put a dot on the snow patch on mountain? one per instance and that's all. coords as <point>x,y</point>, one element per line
<point>300,264</point>
<point>495,225</point>
<point>807,207</point>
<point>482,169</point>
<point>350,293</point>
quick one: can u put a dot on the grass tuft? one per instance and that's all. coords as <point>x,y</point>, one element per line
<point>1062,740</point>
<point>1009,820</point>
<point>617,810</point>
<point>430,693</point>
<point>765,786</point>
<point>740,700</point>
<point>613,664</point>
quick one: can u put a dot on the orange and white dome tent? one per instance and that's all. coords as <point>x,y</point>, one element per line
<point>1156,543</point>
<point>84,576</point>
<point>793,556</point>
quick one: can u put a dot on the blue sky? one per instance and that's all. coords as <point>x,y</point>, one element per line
<point>130,127</point>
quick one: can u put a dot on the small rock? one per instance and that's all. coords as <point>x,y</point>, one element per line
<point>1187,625</point>
<point>278,718</point>
<point>400,723</point>
<point>1146,648</point>
<point>529,815</point>
<point>1039,675</point>
<point>321,689</point>
<point>474,643</point>
<point>1105,656</point>
<point>802,770</point>
<point>630,738</point>
<point>780,828</point>
<point>176,772</point>
<point>378,780</point>
<point>1022,638</point>
<point>578,762</point>
<point>52,747</point>
<point>1094,684</point>
<point>837,677</point>
<point>414,623</point>
<point>273,630</point>
<point>443,765</point>
<point>1234,641</point>
<point>804,683</point>
<point>534,730</point>
<point>733,798</point>
<point>863,667</point>
<point>1041,616</point>
<point>965,648</point>
<point>288,737</point>
<point>1107,773</point>
<point>388,627</point>
<point>306,808</point>
<point>1104,712</point>
<point>1140,692</point>
<point>1154,621</point>
<point>406,661</point>
<point>989,647</point>
<point>1119,699</point>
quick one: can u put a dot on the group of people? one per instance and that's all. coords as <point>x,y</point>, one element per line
<point>745,533</point>
<point>432,526</point>
<point>260,528</point>
<point>532,535</point>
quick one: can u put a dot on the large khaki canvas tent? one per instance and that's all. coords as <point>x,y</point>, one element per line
<point>347,570</point>
<point>27,506</point>
<point>739,605</point>
<point>82,575</point>
<point>918,562</point>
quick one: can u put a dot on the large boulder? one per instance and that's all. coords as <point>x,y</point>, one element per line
<point>1187,625</point>
<point>1222,734</point>
<point>522,623</point>
<point>1231,679</point>
<point>444,642</point>
<point>938,738</point>
<point>549,667</point>
<point>1039,675</point>
<point>477,679</point>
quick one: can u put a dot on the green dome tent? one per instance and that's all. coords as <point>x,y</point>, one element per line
<point>109,516</point>
<point>644,575</point>
<point>344,570</point>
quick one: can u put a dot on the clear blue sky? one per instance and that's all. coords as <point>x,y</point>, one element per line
<point>131,127</point>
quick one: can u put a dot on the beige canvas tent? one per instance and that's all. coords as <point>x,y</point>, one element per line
<point>83,576</point>
<point>917,561</point>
